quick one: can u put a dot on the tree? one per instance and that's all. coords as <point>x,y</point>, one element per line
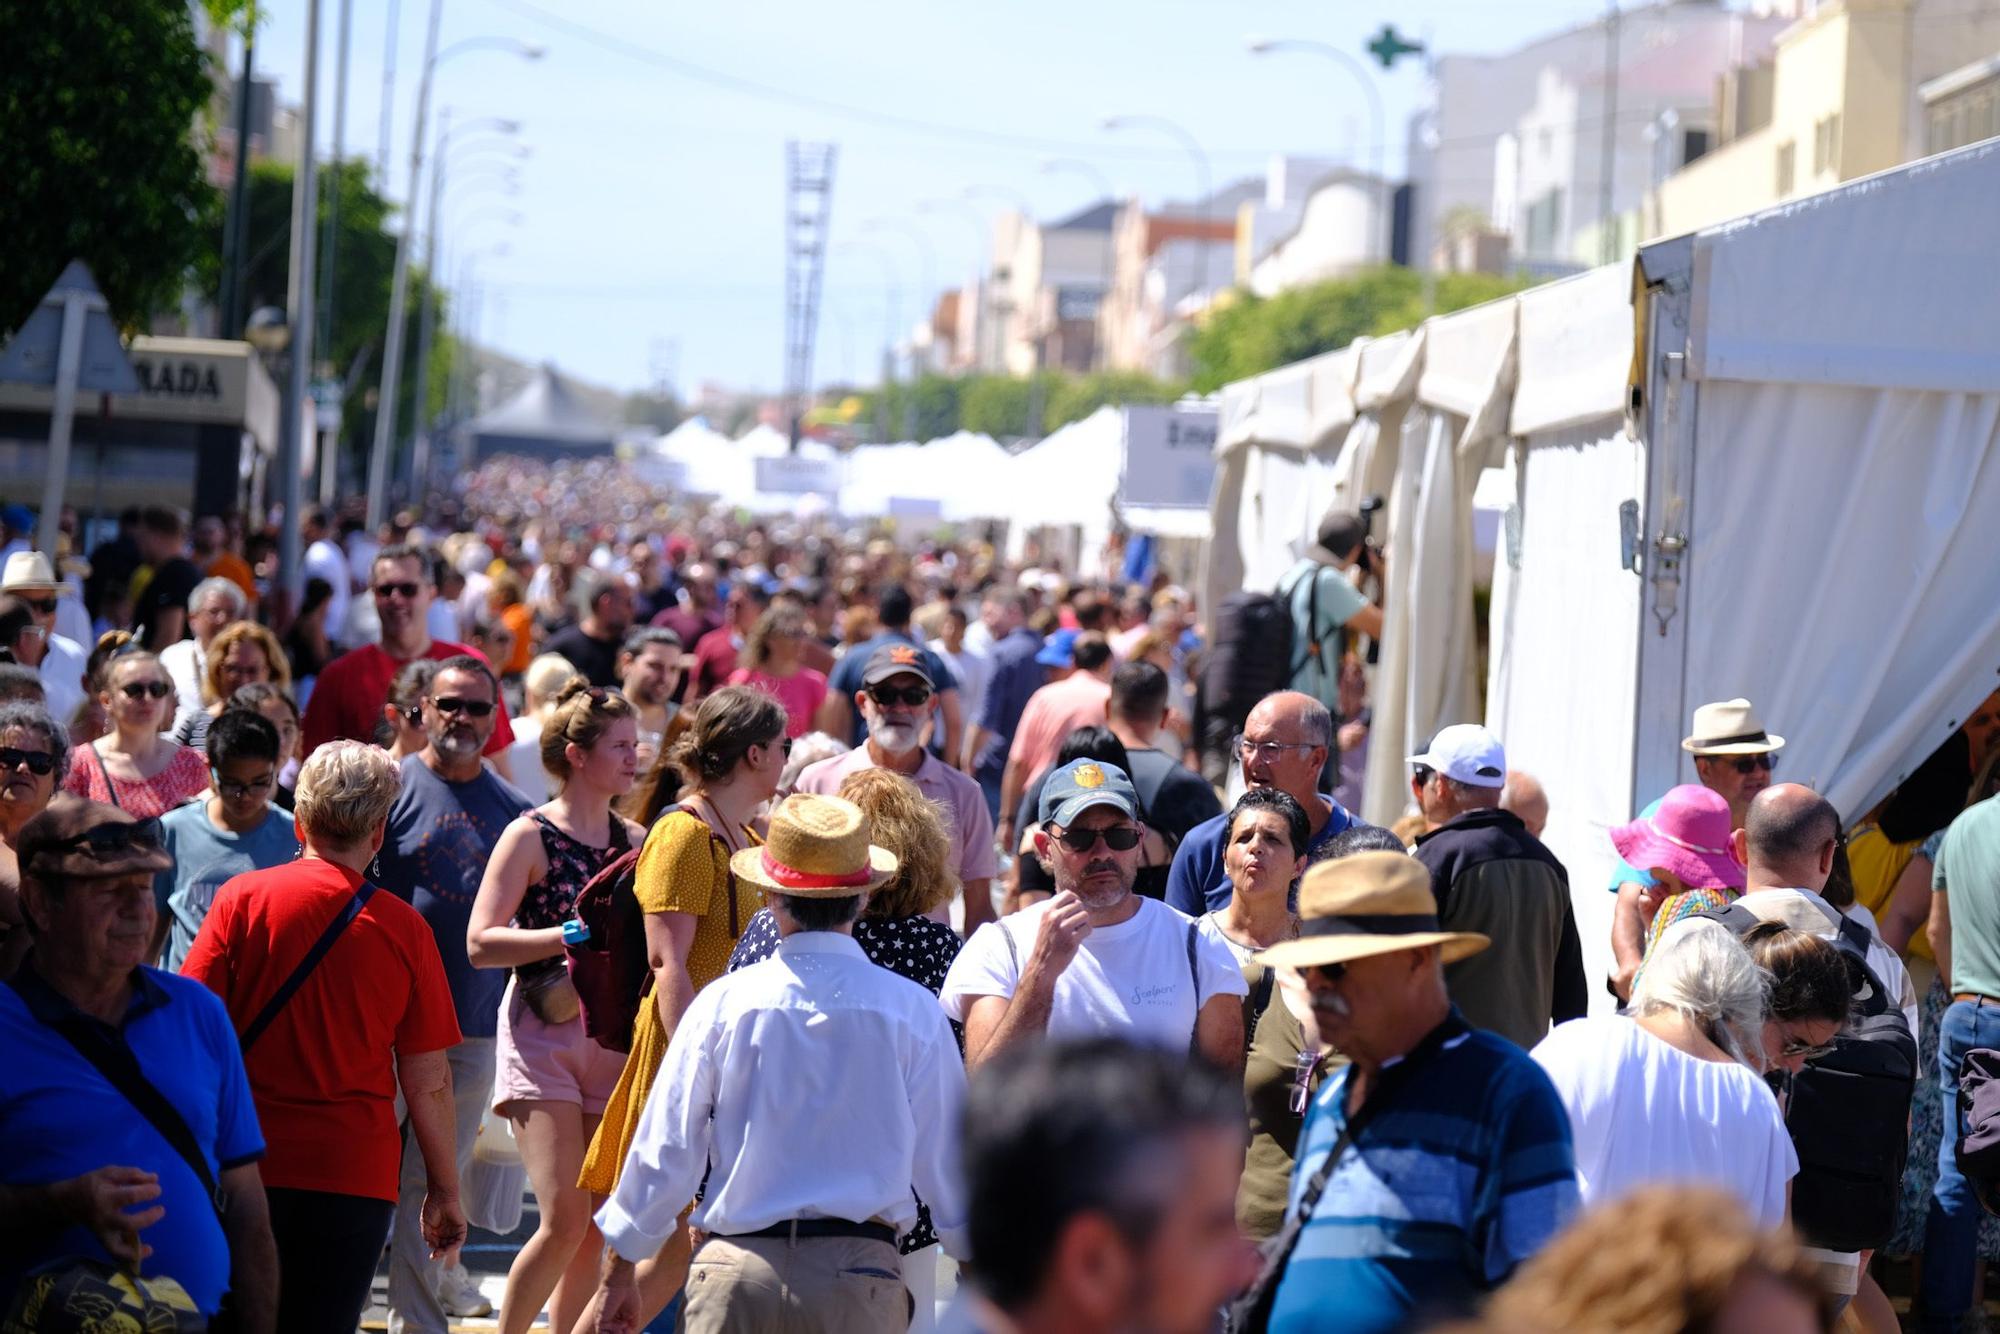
<point>1257,334</point>
<point>1001,405</point>
<point>101,154</point>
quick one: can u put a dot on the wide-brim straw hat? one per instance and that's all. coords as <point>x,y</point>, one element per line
<point>1368,904</point>
<point>1730,727</point>
<point>818,848</point>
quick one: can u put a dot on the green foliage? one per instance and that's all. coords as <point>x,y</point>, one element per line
<point>101,153</point>
<point>660,411</point>
<point>1258,334</point>
<point>1003,406</point>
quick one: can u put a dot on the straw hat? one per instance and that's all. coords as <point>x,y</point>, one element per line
<point>1368,904</point>
<point>1729,728</point>
<point>818,848</point>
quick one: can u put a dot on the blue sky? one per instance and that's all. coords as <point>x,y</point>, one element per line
<point>653,202</point>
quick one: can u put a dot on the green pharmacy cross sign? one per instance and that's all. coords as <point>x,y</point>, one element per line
<point>1390,46</point>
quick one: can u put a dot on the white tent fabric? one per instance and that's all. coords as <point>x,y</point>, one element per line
<point>1575,351</point>
<point>703,452</point>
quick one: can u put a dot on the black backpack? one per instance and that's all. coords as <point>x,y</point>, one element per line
<point>1850,1110</point>
<point>1255,650</point>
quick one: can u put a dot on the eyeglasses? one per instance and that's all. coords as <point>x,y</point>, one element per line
<point>784,745</point>
<point>40,763</point>
<point>1795,1050</point>
<point>106,839</point>
<point>1302,1074</point>
<point>1268,751</point>
<point>136,690</point>
<point>471,708</point>
<point>1750,764</point>
<point>405,589</point>
<point>228,788</point>
<point>888,696</point>
<point>1118,837</point>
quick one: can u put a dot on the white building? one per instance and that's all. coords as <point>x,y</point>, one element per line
<point>1340,226</point>
<point>1521,137</point>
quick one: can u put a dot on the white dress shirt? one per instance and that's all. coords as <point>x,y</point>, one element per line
<point>62,677</point>
<point>185,663</point>
<point>820,1085</point>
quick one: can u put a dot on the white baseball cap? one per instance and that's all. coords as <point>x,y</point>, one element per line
<point>1466,753</point>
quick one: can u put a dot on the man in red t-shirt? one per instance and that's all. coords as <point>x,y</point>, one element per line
<point>373,1016</point>
<point>715,652</point>
<point>348,697</point>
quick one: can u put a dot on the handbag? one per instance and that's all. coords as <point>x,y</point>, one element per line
<point>545,988</point>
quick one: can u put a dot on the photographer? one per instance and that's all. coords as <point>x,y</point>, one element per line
<point>1324,594</point>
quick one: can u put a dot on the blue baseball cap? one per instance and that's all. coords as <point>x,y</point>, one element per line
<point>1059,650</point>
<point>1077,786</point>
<point>18,517</point>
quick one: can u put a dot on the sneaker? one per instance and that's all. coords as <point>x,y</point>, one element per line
<point>459,1294</point>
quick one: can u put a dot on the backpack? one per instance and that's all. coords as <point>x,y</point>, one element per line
<point>611,968</point>
<point>1849,1115</point>
<point>1253,653</point>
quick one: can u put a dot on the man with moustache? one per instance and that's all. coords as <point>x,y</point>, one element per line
<point>441,831</point>
<point>1097,959</point>
<point>895,697</point>
<point>1439,1159</point>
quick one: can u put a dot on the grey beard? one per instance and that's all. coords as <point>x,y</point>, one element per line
<point>896,738</point>
<point>457,745</point>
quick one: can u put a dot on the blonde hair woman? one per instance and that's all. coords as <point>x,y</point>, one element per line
<point>771,661</point>
<point>244,653</point>
<point>133,766</point>
<point>540,684</point>
<point>553,1079</point>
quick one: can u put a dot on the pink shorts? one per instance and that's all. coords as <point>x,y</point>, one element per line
<point>540,1062</point>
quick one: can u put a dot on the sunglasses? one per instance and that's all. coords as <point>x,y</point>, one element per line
<point>406,589</point>
<point>40,763</point>
<point>141,689</point>
<point>1119,838</point>
<point>784,745</point>
<point>887,696</point>
<point>46,606</point>
<point>1750,764</point>
<point>105,839</point>
<point>226,787</point>
<point>471,708</point>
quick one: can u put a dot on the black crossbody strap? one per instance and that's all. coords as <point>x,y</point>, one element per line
<point>115,1061</point>
<point>341,921</point>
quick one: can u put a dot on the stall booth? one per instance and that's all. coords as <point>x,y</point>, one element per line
<point>200,435</point>
<point>1758,461</point>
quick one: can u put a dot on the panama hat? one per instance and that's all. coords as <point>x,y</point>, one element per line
<point>818,848</point>
<point>1368,904</point>
<point>1730,727</point>
<point>27,571</point>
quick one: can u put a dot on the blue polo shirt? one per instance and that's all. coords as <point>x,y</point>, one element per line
<point>60,1118</point>
<point>1467,1171</point>
<point>1197,882</point>
<point>1015,676</point>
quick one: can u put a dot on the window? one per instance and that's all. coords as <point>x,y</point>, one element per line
<point>1694,143</point>
<point>1788,163</point>
<point>1826,144</point>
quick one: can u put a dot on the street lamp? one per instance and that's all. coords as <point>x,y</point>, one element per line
<point>1202,177</point>
<point>1259,46</point>
<point>399,290</point>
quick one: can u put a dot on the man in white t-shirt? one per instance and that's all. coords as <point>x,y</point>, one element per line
<point>1787,844</point>
<point>1096,959</point>
<point>325,560</point>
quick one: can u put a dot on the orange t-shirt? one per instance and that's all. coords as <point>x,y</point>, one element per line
<point>237,571</point>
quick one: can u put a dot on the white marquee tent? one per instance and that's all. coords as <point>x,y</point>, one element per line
<point>1799,411</point>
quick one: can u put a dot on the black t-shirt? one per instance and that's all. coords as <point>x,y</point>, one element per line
<point>597,659</point>
<point>167,590</point>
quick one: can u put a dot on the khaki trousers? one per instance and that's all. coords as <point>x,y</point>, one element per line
<point>814,1285</point>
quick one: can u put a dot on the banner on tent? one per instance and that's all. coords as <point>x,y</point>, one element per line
<point>794,474</point>
<point>1169,455</point>
<point>916,507</point>
<point>656,471</point>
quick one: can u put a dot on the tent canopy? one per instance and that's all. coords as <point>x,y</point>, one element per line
<point>543,420</point>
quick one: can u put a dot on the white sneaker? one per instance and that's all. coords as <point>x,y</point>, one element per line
<point>459,1293</point>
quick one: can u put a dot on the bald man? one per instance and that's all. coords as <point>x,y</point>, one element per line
<point>1284,745</point>
<point>1523,795</point>
<point>1787,844</point>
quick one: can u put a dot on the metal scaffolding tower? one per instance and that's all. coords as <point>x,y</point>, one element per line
<point>808,206</point>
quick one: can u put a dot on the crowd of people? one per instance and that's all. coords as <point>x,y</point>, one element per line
<point>809,905</point>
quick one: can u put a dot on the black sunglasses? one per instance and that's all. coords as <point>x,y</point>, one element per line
<point>105,839</point>
<point>141,689</point>
<point>471,708</point>
<point>46,606</point>
<point>1119,838</point>
<point>407,589</point>
<point>40,763</point>
<point>1750,764</point>
<point>914,696</point>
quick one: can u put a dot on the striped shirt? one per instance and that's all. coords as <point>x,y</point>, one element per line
<point>1465,1172</point>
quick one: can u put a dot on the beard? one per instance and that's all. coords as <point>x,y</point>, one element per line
<point>1099,895</point>
<point>896,738</point>
<point>458,744</point>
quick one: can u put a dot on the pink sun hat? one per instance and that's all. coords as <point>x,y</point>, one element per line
<point>1688,835</point>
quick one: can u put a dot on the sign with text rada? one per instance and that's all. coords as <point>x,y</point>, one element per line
<point>1169,455</point>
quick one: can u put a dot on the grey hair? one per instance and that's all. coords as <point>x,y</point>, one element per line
<point>230,592</point>
<point>1315,723</point>
<point>1700,971</point>
<point>36,718</point>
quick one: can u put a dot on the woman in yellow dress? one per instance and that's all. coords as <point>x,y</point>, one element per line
<point>729,762</point>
